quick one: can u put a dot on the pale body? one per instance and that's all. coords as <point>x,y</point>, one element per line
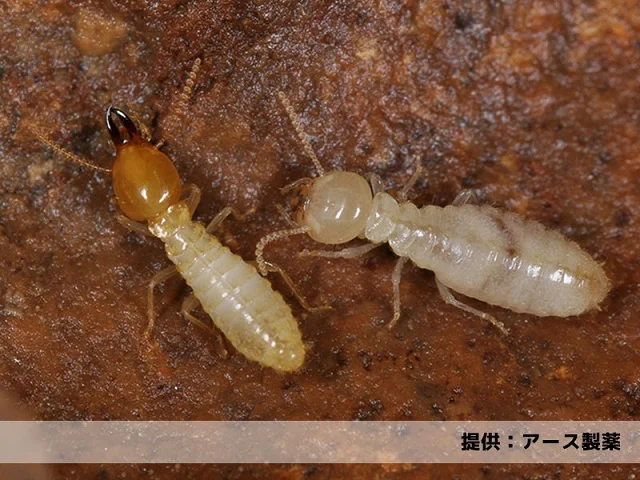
<point>242,304</point>
<point>482,252</point>
<point>492,255</point>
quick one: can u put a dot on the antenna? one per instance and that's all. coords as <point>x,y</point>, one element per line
<point>187,89</point>
<point>304,138</point>
<point>63,152</point>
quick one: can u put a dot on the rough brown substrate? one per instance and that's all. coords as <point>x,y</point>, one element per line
<point>533,104</point>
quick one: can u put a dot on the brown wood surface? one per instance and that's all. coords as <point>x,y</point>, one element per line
<point>533,104</point>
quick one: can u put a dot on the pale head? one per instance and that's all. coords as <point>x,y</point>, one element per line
<point>335,207</point>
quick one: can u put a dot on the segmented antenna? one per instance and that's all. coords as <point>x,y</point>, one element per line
<point>304,138</point>
<point>63,152</point>
<point>187,90</point>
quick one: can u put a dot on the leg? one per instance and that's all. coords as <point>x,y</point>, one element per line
<point>265,267</point>
<point>448,297</point>
<point>161,276</point>
<point>190,304</point>
<point>295,184</point>
<point>287,218</point>
<point>132,225</point>
<point>402,197</point>
<point>287,189</point>
<point>224,213</point>
<point>395,281</point>
<point>464,197</point>
<point>192,197</point>
<point>287,279</point>
<point>352,252</point>
<point>376,182</point>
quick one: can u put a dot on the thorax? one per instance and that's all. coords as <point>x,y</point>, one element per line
<point>175,228</point>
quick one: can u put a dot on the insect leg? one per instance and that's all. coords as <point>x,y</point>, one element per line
<point>287,218</point>
<point>464,197</point>
<point>161,276</point>
<point>395,281</point>
<point>193,197</point>
<point>287,189</point>
<point>132,225</point>
<point>273,268</point>
<point>402,196</point>
<point>295,184</point>
<point>265,267</point>
<point>189,304</point>
<point>224,213</point>
<point>448,297</point>
<point>351,252</point>
<point>376,183</point>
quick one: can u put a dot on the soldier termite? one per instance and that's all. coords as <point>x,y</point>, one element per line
<point>492,255</point>
<point>242,304</point>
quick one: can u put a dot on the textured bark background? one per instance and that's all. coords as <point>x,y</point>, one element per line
<point>533,104</point>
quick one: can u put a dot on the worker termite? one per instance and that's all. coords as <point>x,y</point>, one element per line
<point>242,304</point>
<point>482,252</point>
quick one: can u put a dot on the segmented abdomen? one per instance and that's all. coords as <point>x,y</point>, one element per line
<point>241,303</point>
<point>492,255</point>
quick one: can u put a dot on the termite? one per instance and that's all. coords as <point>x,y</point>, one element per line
<point>242,304</point>
<point>482,252</point>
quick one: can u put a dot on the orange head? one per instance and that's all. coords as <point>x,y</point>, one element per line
<point>145,180</point>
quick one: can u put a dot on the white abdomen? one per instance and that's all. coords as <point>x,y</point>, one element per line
<point>241,303</point>
<point>492,255</point>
